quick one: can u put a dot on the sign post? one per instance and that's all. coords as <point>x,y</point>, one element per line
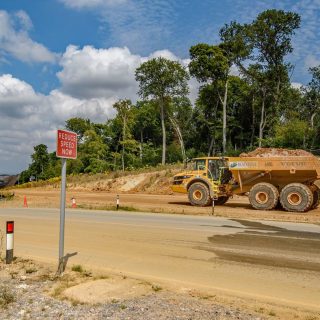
<point>66,149</point>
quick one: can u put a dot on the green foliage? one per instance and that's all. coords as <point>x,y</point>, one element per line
<point>232,113</point>
<point>208,63</point>
<point>78,125</point>
<point>160,78</point>
<point>271,34</point>
<point>77,268</point>
<point>292,134</point>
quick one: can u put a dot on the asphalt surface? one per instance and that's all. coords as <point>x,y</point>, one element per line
<point>277,262</point>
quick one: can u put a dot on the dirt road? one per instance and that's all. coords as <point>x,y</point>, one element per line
<point>238,207</point>
<point>271,263</point>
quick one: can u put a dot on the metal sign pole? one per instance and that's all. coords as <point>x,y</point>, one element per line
<point>66,149</point>
<point>62,214</point>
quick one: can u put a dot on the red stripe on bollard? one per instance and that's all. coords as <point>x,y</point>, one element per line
<point>10,226</point>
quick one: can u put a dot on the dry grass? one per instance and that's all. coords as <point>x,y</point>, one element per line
<point>6,296</point>
<point>85,178</point>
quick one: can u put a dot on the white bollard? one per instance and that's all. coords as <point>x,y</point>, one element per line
<point>118,202</point>
<point>9,251</point>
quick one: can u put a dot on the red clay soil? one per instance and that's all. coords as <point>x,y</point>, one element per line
<point>276,152</point>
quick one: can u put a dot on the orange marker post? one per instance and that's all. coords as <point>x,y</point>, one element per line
<point>74,204</point>
<point>25,202</point>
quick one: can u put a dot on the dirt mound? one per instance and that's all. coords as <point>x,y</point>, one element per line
<point>107,290</point>
<point>157,182</point>
<point>276,152</point>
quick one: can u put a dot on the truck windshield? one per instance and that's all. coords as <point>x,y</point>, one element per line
<point>199,165</point>
<point>214,168</point>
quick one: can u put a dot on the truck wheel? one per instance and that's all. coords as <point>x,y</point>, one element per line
<point>199,195</point>
<point>221,201</point>
<point>264,196</point>
<point>296,197</point>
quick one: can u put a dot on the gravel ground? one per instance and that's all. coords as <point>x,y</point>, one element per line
<point>27,290</point>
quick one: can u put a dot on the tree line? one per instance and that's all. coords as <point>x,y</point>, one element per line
<point>245,100</point>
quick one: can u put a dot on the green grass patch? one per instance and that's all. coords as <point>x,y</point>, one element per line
<point>77,268</point>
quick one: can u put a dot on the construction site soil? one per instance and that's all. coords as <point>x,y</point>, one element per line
<point>276,152</point>
<point>238,207</point>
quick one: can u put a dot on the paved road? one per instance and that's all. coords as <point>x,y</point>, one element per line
<point>269,261</point>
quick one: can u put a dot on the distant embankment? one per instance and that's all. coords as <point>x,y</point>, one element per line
<point>148,180</point>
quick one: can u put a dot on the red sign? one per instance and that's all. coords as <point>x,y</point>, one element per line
<point>66,144</point>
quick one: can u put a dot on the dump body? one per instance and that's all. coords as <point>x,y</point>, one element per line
<point>278,171</point>
<point>276,177</point>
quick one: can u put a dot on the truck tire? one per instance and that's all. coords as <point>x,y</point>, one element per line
<point>221,201</point>
<point>296,197</point>
<point>264,196</point>
<point>199,195</point>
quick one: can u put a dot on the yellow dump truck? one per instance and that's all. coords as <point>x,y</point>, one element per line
<point>288,181</point>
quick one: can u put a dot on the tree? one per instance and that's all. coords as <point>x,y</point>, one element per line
<point>125,114</point>
<point>211,64</point>
<point>291,134</point>
<point>262,47</point>
<point>92,152</point>
<point>79,126</point>
<point>312,95</point>
<point>161,79</point>
<point>40,160</point>
<point>180,114</point>
<point>146,127</point>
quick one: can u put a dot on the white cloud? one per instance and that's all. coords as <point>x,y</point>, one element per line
<point>104,73</point>
<point>92,80</point>
<point>164,54</point>
<point>92,73</point>
<point>15,40</point>
<point>28,118</point>
<point>297,85</point>
<point>12,92</point>
<point>63,107</point>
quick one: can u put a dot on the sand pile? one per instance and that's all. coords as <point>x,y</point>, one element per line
<point>275,152</point>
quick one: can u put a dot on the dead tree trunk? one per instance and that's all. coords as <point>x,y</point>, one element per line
<point>224,117</point>
<point>253,126</point>
<point>263,118</point>
<point>212,143</point>
<point>123,139</point>
<point>163,162</point>
<point>140,147</point>
<point>180,138</point>
<point>224,124</point>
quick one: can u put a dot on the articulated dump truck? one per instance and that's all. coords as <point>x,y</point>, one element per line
<point>268,181</point>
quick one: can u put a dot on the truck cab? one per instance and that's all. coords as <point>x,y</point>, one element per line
<point>208,179</point>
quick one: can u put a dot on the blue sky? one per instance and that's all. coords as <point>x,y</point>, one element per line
<point>64,58</point>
